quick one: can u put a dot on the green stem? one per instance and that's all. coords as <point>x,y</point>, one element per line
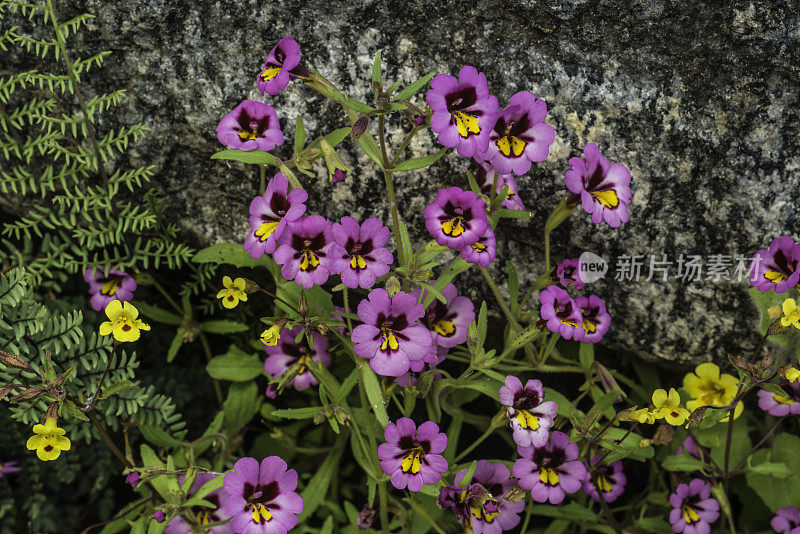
<point>263,187</point>
<point>759,444</point>
<point>547,250</point>
<point>347,310</point>
<point>477,442</point>
<point>73,80</point>
<point>166,295</point>
<point>382,495</point>
<point>403,146</point>
<point>103,434</point>
<point>500,299</point>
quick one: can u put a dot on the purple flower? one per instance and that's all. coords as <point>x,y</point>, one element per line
<point>271,391</point>
<point>463,111</point>
<point>261,499</point>
<point>568,273</point>
<point>366,517</point>
<point>551,471</point>
<point>609,479</point>
<point>358,253</point>
<point>270,213</point>
<point>303,251</point>
<point>287,353</point>
<point>484,177</point>
<point>529,414</point>
<point>412,456</point>
<point>778,267</point>
<point>448,322</point>
<point>693,508</point>
<point>202,514</point>
<point>391,336</point>
<point>691,447</point>
<point>280,61</point>
<point>482,251</point>
<point>596,319</point>
<point>339,175</point>
<point>520,135</point>
<point>251,125</point>
<point>778,405</point>
<point>456,218</point>
<point>602,188</point>
<point>561,314</point>
<point>159,516</point>
<point>7,468</point>
<point>133,479</point>
<point>491,513</point>
<point>786,521</point>
<point>118,285</point>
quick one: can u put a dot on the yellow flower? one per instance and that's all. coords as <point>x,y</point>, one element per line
<point>123,322</point>
<point>644,415</point>
<point>271,335</point>
<point>668,406</point>
<point>233,292</point>
<point>792,312</point>
<point>48,440</point>
<point>791,374</point>
<point>708,387</point>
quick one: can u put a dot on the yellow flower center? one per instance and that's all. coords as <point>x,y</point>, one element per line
<point>444,328</point>
<point>269,73</point>
<point>453,227</point>
<point>110,287</point>
<point>689,514</point>
<point>412,463</point>
<point>389,339</point>
<point>548,476</point>
<point>309,261</point>
<point>478,247</point>
<point>511,146</point>
<point>713,393</point>
<point>358,262</point>
<point>302,361</point>
<point>607,198</point>
<point>467,124</point>
<point>603,483</point>
<point>589,326</point>
<point>527,421</point>
<point>247,135</point>
<point>782,400</point>
<point>261,513</point>
<point>481,513</point>
<point>774,276</point>
<point>265,230</point>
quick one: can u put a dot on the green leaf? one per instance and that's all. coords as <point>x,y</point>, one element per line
<point>682,462</point>
<point>224,327</point>
<point>528,335</point>
<point>586,355</point>
<point>356,105</point>
<point>482,324</point>
<point>73,410</point>
<point>175,346</point>
<point>299,136</point>
<point>456,267</point>
<point>116,387</point>
<point>150,461</point>
<point>317,488</point>
<point>484,384</point>
<point>374,393</point>
<point>338,135</point>
<point>572,510</point>
<point>473,185</point>
<point>367,148</point>
<point>774,469</point>
<point>254,157</point>
<point>513,284</point>
<point>241,405</point>
<point>418,163</point>
<point>468,475</point>
<point>324,377</point>
<point>233,254</point>
<point>778,492</point>
<point>298,413</point>
<point>158,436</point>
<point>432,290</point>
<point>505,213</point>
<point>404,239</point>
<point>564,405</point>
<point>376,68</point>
<point>157,314</point>
<point>235,366</point>
<point>410,90</point>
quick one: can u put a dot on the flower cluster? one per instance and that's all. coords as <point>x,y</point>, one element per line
<point>666,405</point>
<point>584,319</point>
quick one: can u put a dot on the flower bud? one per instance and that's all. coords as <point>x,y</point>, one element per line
<point>366,517</point>
<point>392,286</point>
<point>472,336</point>
<point>359,127</point>
<point>418,120</point>
<point>767,361</point>
<point>12,360</point>
<point>302,305</point>
<point>250,286</point>
<point>739,362</point>
<point>663,435</point>
<point>337,172</point>
<point>340,415</point>
<point>323,329</point>
<point>52,411</point>
<point>697,415</point>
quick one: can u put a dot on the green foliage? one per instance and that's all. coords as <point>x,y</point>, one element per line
<point>75,205</point>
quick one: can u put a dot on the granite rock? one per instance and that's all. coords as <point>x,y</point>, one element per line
<point>699,101</point>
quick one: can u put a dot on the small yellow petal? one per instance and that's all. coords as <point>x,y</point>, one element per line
<point>130,310</point>
<point>789,306</point>
<point>34,442</point>
<point>63,443</point>
<point>106,328</point>
<point>674,397</point>
<point>708,370</point>
<point>240,284</point>
<point>227,282</point>
<point>113,309</point>
<point>659,398</point>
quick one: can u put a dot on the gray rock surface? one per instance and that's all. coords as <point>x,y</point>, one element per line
<point>700,101</point>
